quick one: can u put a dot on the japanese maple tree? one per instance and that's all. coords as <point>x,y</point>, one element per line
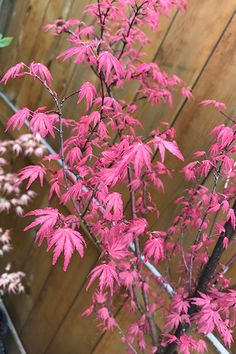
<point>109,176</point>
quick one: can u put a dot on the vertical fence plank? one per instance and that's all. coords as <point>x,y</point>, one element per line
<point>6,7</point>
<point>195,122</point>
<point>27,18</point>
<point>186,50</point>
<point>53,302</point>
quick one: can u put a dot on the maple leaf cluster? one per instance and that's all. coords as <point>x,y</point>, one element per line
<point>109,177</point>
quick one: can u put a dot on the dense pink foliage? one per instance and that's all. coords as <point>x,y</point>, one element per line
<point>109,176</point>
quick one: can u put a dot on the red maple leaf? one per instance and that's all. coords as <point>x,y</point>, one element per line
<point>107,62</point>
<point>88,91</point>
<point>47,218</point>
<point>66,240</point>
<point>42,123</point>
<point>107,276</point>
<point>42,71</point>
<point>31,172</point>
<point>18,119</point>
<point>114,203</point>
<point>154,248</point>
<point>171,146</point>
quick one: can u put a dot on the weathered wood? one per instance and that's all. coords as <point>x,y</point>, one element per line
<point>44,51</point>
<point>6,7</point>
<point>82,332</point>
<point>195,122</point>
<point>187,49</point>
<point>16,22</point>
<point>27,18</point>
<point>58,293</point>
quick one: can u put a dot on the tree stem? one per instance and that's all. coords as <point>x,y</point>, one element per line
<point>204,280</point>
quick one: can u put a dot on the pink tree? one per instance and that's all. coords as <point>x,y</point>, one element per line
<point>14,199</point>
<point>102,159</point>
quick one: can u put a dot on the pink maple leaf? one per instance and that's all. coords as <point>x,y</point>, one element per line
<point>73,155</point>
<point>18,119</point>
<point>117,243</point>
<point>66,240</point>
<point>179,304</point>
<point>140,154</point>
<point>107,276</point>
<point>170,338</point>
<point>104,313</point>
<point>218,105</point>
<point>108,62</point>
<point>113,203</point>
<point>190,171</point>
<point>225,136</point>
<point>141,157</point>
<point>201,346</point>
<point>60,25</point>
<point>73,193</point>
<point>88,91</point>
<point>185,344</point>
<point>69,53</point>
<point>54,188</point>
<point>42,71</point>
<point>231,216</point>
<point>102,131</point>
<point>154,248</point>
<point>207,319</point>
<point>137,226</point>
<point>13,72</point>
<point>128,278</point>
<point>172,321</point>
<point>225,242</point>
<point>215,207</point>
<point>186,92</point>
<point>117,249</point>
<point>80,52</point>
<point>110,176</point>
<point>93,119</point>
<point>171,146</point>
<point>47,218</point>
<point>42,123</point>
<point>110,104</point>
<point>32,172</point>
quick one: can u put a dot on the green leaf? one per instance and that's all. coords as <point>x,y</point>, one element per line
<point>5,41</point>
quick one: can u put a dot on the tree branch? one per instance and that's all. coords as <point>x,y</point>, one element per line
<point>204,280</point>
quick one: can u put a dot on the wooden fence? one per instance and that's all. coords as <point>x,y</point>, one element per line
<point>200,47</point>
